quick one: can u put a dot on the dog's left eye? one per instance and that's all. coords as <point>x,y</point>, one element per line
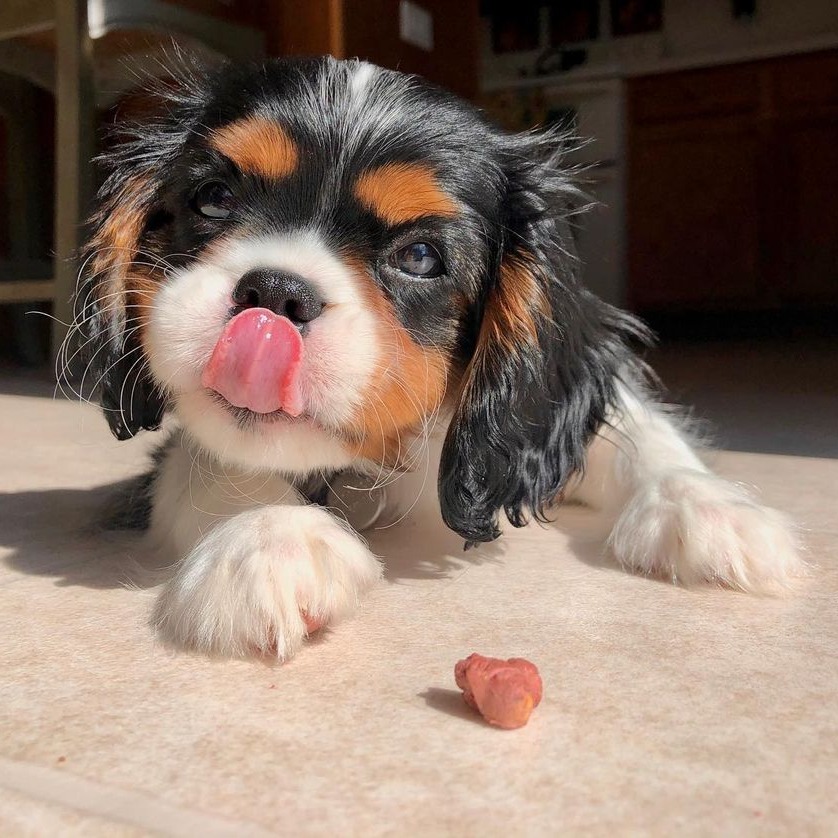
<point>418,259</point>
<point>213,199</point>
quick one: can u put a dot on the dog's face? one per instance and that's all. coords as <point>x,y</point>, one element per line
<point>306,261</point>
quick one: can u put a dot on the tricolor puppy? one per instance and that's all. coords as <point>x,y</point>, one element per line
<point>330,273</point>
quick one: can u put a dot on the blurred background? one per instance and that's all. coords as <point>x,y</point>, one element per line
<point>712,128</point>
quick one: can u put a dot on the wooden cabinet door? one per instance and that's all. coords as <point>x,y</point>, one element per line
<point>808,214</point>
<point>733,185</point>
<point>693,217</point>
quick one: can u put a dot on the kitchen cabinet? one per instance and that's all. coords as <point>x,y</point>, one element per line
<point>732,186</point>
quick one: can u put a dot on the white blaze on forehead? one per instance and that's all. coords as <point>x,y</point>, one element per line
<point>360,82</point>
<point>351,108</point>
<point>358,104</point>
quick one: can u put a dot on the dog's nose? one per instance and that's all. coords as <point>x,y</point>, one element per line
<point>283,293</point>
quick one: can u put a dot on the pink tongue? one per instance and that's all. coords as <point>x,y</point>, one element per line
<point>256,363</point>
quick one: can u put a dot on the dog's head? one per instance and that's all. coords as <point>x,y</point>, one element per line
<point>307,260</point>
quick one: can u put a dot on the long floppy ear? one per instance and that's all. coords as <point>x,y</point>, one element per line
<point>111,304</point>
<point>120,273</point>
<point>546,363</point>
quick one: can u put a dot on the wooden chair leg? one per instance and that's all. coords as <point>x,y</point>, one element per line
<point>74,147</point>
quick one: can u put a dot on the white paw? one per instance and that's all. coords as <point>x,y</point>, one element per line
<point>262,580</point>
<point>692,526</point>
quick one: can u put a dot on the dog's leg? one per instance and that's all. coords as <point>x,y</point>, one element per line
<point>675,518</point>
<point>261,568</point>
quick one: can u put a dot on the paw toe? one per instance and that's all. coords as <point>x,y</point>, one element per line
<point>695,527</point>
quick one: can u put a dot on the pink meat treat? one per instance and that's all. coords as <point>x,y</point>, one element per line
<point>504,692</point>
<point>256,363</point>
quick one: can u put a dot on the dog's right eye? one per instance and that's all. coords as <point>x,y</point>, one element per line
<point>213,199</point>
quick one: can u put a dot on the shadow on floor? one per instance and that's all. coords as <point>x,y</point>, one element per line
<point>450,702</point>
<point>65,533</point>
<point>16,380</point>
<point>61,533</point>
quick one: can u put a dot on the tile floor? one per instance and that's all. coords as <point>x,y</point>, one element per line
<point>666,711</point>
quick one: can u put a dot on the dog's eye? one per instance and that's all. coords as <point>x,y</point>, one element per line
<point>213,199</point>
<point>418,259</point>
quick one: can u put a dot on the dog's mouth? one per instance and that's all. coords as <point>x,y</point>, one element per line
<point>254,422</point>
<point>245,417</point>
<point>255,365</point>
<point>255,375</point>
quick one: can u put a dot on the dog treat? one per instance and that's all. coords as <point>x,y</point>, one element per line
<point>504,692</point>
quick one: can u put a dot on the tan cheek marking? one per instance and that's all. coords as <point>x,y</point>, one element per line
<point>114,245</point>
<point>258,146</point>
<point>402,192</point>
<point>513,309</point>
<point>407,387</point>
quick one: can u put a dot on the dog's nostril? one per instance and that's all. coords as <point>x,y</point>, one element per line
<point>283,293</point>
<point>247,296</point>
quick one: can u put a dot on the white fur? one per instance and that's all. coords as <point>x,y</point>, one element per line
<point>256,560</point>
<point>252,556</point>
<point>342,351</point>
<point>360,84</point>
<point>194,491</point>
<point>676,519</point>
<point>372,497</point>
<point>667,514</point>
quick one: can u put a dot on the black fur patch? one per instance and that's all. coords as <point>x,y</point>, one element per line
<point>526,417</point>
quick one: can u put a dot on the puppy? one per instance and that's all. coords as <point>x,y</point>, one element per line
<point>334,275</point>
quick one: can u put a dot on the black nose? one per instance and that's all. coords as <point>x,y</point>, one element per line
<point>283,293</point>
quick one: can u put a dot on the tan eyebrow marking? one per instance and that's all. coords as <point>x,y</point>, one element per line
<point>257,146</point>
<point>402,192</point>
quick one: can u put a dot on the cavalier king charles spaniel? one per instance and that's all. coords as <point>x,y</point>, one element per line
<point>333,277</point>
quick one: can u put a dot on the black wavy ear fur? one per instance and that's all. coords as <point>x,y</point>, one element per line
<point>547,358</point>
<point>119,270</point>
<point>130,400</point>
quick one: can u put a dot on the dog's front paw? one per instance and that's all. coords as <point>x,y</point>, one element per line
<point>691,526</point>
<point>261,581</point>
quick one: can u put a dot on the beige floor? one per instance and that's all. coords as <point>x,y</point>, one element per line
<point>666,711</point>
